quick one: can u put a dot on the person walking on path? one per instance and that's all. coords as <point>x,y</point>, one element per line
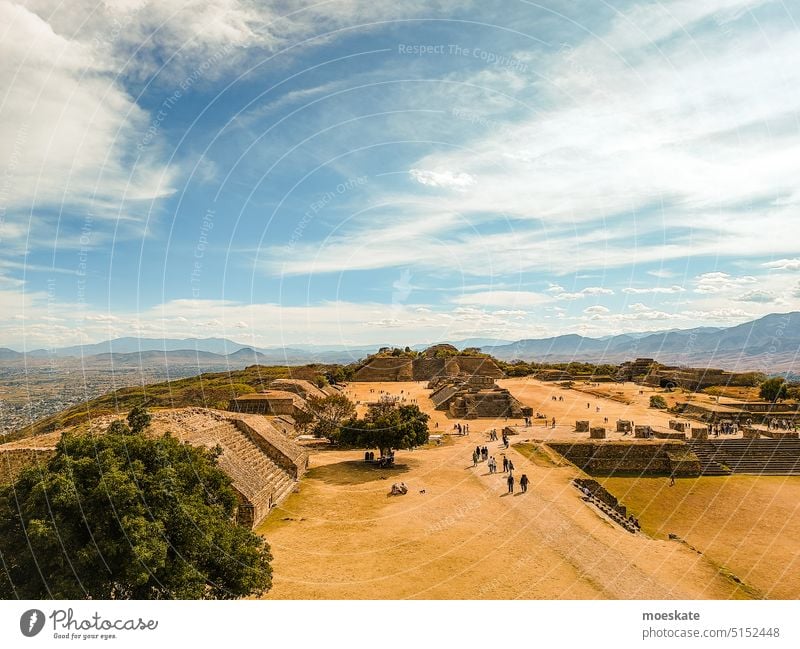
<point>474,458</point>
<point>505,464</point>
<point>510,481</point>
<point>510,465</point>
<point>523,483</point>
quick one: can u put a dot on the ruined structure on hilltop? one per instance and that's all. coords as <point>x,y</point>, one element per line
<point>270,402</point>
<point>470,397</point>
<point>648,372</point>
<point>439,360</point>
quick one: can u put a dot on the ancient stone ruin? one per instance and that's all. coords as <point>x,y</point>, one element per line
<point>439,360</point>
<point>471,397</point>
<point>270,402</point>
<point>648,372</point>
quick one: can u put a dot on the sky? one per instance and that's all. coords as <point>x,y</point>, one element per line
<point>372,172</point>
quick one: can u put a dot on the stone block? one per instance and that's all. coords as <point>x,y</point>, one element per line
<point>597,432</point>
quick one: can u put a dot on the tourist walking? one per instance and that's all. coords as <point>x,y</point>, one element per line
<point>474,458</point>
<point>510,465</point>
<point>505,464</point>
<point>523,483</point>
<point>510,481</point>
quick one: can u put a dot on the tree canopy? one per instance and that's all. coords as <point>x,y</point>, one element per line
<point>773,389</point>
<point>323,416</point>
<point>125,516</point>
<point>387,425</point>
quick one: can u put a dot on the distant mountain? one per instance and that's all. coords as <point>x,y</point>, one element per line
<point>463,344</point>
<point>771,343</point>
<point>9,354</point>
<point>130,345</point>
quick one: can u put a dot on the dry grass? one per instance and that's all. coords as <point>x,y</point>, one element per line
<point>748,524</point>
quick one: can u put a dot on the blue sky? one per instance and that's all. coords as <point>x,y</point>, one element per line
<point>365,172</point>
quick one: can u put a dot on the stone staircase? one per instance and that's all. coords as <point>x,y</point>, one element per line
<point>253,472</point>
<point>708,464</point>
<point>750,456</point>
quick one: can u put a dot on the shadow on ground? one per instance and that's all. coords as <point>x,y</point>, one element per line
<point>356,472</point>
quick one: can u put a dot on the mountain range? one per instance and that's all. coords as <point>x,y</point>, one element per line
<point>769,344</point>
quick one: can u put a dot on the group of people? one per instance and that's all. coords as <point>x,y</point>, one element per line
<point>523,483</point>
<point>781,424</point>
<point>481,454</point>
<point>463,429</point>
<point>724,428</point>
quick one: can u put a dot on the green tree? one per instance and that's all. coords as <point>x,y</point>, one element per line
<point>325,415</point>
<point>657,401</point>
<point>126,516</point>
<point>138,419</point>
<point>773,389</point>
<point>386,426</point>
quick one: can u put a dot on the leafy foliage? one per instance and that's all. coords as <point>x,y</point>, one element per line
<point>126,516</point>
<point>325,415</point>
<point>773,389</point>
<point>657,401</point>
<point>386,426</point>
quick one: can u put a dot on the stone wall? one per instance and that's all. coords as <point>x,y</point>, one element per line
<point>609,457</point>
<point>386,368</point>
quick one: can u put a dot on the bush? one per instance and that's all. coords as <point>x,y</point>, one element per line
<point>657,401</point>
<point>773,389</point>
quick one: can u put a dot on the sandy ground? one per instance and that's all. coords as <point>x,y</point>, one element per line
<point>456,534</point>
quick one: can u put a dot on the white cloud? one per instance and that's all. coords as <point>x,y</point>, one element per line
<point>69,128</point>
<point>446,179</point>
<point>596,310</point>
<point>510,299</point>
<point>762,297</point>
<point>560,294</point>
<point>718,282</point>
<point>656,289</point>
<point>783,264</point>
<point>661,273</point>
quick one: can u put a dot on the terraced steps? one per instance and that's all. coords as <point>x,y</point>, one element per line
<point>263,482</point>
<point>748,456</point>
